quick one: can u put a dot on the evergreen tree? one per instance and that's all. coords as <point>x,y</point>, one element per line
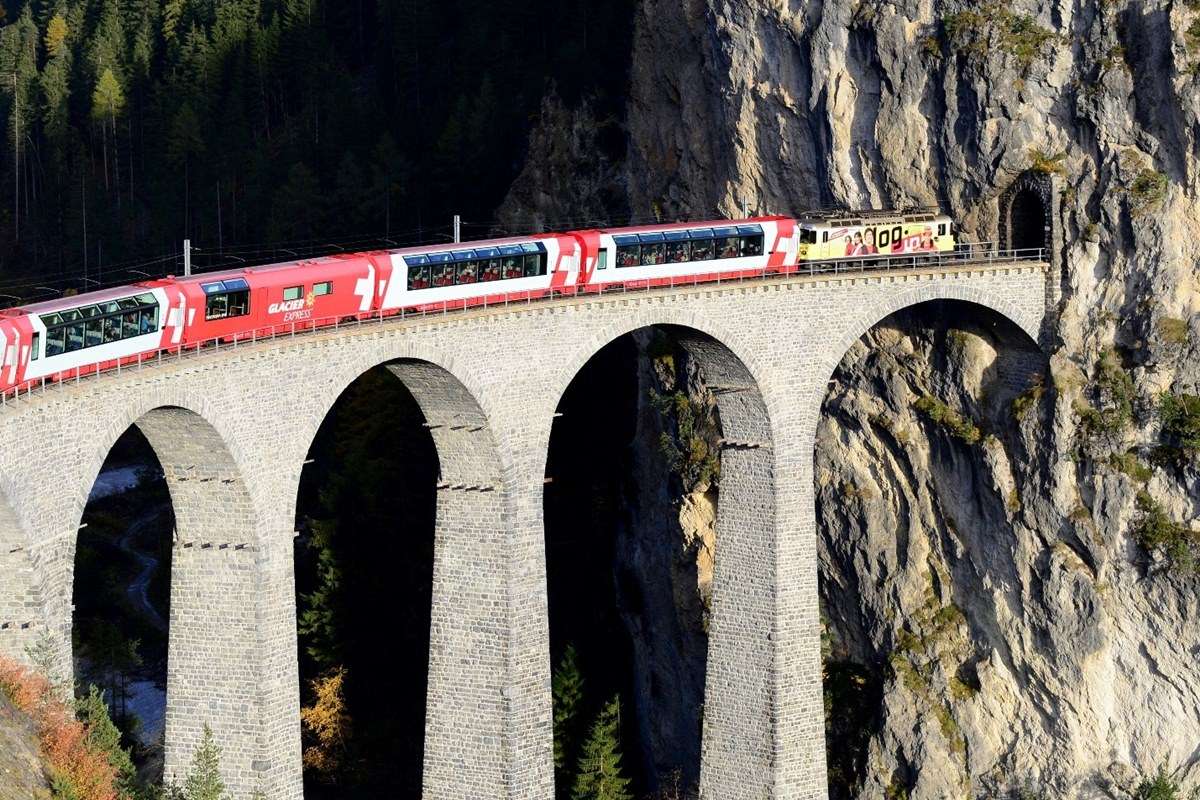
<point>204,780</point>
<point>599,775</point>
<point>318,622</point>
<point>104,735</point>
<point>567,691</point>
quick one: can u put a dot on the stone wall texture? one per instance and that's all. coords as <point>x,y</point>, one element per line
<point>232,428</point>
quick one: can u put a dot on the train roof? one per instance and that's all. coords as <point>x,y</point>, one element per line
<point>88,298</point>
<point>671,226</point>
<point>847,216</point>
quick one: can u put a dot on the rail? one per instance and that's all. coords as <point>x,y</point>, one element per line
<point>965,255</point>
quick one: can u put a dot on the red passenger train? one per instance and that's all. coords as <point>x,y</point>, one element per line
<point>95,331</point>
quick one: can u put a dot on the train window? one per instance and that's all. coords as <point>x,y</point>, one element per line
<point>678,252</point>
<point>36,349</point>
<point>418,277</point>
<point>216,307</point>
<point>725,242</point>
<point>808,236</point>
<point>466,272</point>
<point>942,229</point>
<point>129,325</point>
<point>442,275</point>
<point>94,334</point>
<point>239,303</point>
<point>322,289</point>
<point>56,341</point>
<point>293,293</point>
<point>112,329</point>
<point>702,249</point>
<point>74,337</point>
<point>752,245</point>
<point>535,265</point>
<point>629,251</point>
<point>148,322</point>
<point>513,268</point>
<point>509,265</point>
<point>489,270</point>
<point>602,259</point>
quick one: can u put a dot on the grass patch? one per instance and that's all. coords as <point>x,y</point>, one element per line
<point>953,422</point>
<point>992,24</point>
<point>1156,532</point>
<point>1116,392</point>
<point>1173,330</point>
<point>1046,164</point>
<point>1180,415</point>
<point>1147,191</point>
<point>1028,400</point>
<point>1129,464</point>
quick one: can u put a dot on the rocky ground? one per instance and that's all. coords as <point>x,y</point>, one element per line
<point>22,776</point>
<point>992,588</point>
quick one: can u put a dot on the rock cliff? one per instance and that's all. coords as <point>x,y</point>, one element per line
<point>1005,536</point>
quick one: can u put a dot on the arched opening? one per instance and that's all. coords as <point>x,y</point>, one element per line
<point>1027,220</point>
<point>364,582</point>
<point>647,469</point>
<point>121,595</point>
<point>164,580</point>
<point>919,512</point>
<point>399,509</point>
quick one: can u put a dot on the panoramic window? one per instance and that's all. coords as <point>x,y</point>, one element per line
<point>224,299</point>
<point>88,326</point>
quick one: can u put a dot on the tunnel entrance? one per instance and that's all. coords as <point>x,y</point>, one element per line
<point>1028,209</point>
<point>1028,221</point>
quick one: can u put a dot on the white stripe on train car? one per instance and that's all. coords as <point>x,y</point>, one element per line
<point>365,288</point>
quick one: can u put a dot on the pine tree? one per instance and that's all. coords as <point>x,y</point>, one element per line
<point>319,621</point>
<point>104,736</point>
<point>204,780</point>
<point>567,690</point>
<point>599,776</point>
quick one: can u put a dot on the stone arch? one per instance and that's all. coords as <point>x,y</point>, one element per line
<point>739,737</point>
<point>214,632</point>
<point>467,708</point>
<point>1029,321</point>
<point>1028,210</point>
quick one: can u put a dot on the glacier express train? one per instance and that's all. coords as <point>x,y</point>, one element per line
<point>99,330</point>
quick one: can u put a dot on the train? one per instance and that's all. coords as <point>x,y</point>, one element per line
<point>95,331</point>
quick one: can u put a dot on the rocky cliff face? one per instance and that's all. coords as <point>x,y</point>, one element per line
<point>995,586</point>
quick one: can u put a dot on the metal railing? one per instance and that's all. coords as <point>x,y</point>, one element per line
<point>966,255</point>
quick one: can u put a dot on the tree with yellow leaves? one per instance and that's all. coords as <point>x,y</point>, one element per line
<point>326,725</point>
<point>56,35</point>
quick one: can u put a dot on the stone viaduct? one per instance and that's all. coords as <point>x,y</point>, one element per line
<point>232,428</point>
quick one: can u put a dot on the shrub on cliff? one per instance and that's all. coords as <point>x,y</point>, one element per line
<point>79,755</point>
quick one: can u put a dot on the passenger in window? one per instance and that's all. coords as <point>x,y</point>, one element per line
<point>652,254</point>
<point>112,329</point>
<point>513,268</point>
<point>728,248</point>
<point>702,250</point>
<point>752,246</point>
<point>628,257</point>
<point>677,252</point>
<point>468,271</point>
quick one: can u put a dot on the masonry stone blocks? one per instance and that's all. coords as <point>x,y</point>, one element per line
<point>232,429</point>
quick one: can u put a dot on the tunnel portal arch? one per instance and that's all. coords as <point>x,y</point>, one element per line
<point>1028,210</point>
